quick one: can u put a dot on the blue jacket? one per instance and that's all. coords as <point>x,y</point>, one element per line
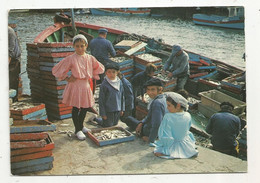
<point>152,121</point>
<point>224,127</point>
<point>129,95</point>
<point>178,65</point>
<point>110,99</point>
<point>139,80</point>
<point>101,48</point>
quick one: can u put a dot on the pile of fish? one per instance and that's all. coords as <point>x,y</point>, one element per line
<point>118,59</point>
<point>21,106</point>
<point>110,134</point>
<point>162,77</point>
<point>192,100</point>
<point>238,83</point>
<point>148,57</point>
<point>146,98</point>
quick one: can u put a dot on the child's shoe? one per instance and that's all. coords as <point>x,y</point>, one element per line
<point>85,130</point>
<point>80,135</point>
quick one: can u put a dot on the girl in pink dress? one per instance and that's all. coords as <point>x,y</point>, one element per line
<point>78,93</point>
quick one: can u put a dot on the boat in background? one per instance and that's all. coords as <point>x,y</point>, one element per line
<point>235,19</point>
<point>82,11</point>
<point>121,11</point>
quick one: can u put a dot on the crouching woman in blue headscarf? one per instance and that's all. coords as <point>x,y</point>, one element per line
<point>174,138</point>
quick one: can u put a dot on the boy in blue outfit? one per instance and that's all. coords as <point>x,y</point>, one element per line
<point>148,127</point>
<point>111,98</point>
<point>129,97</point>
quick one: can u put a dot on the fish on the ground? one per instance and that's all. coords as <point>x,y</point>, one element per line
<point>110,134</point>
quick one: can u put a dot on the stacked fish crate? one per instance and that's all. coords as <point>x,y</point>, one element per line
<point>51,54</point>
<point>126,65</point>
<point>33,70</point>
<point>201,67</point>
<point>142,106</point>
<point>130,48</point>
<point>142,60</point>
<point>168,83</point>
<point>28,111</point>
<point>31,146</point>
<point>233,85</point>
<point>44,86</point>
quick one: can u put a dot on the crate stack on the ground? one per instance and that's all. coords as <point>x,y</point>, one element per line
<point>27,110</point>
<point>44,86</point>
<point>51,54</point>
<point>141,60</point>
<point>31,146</point>
<point>126,65</point>
<point>33,70</point>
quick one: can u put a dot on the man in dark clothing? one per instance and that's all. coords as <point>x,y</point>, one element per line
<point>14,61</point>
<point>178,65</point>
<point>224,127</point>
<point>101,48</point>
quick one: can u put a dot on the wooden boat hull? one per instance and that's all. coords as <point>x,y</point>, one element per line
<point>56,33</point>
<point>120,11</point>
<point>219,21</point>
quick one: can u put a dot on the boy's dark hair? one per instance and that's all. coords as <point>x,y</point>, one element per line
<point>169,99</point>
<point>150,68</point>
<point>112,66</point>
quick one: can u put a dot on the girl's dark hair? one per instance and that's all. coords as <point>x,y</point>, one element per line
<point>150,68</point>
<point>169,99</point>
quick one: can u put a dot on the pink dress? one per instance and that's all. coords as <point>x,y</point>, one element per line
<point>83,67</point>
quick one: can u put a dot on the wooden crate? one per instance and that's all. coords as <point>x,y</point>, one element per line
<point>129,137</point>
<point>30,163</point>
<point>24,126</point>
<point>214,98</point>
<point>26,111</point>
<point>40,164</point>
<point>28,136</point>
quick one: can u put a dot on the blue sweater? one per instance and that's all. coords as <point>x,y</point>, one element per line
<point>128,92</point>
<point>101,48</point>
<point>139,80</point>
<point>110,99</point>
<point>152,121</point>
<point>224,127</point>
<point>178,65</point>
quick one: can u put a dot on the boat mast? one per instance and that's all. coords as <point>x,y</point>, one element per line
<point>74,30</point>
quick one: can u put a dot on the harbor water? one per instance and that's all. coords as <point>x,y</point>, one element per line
<point>225,45</point>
